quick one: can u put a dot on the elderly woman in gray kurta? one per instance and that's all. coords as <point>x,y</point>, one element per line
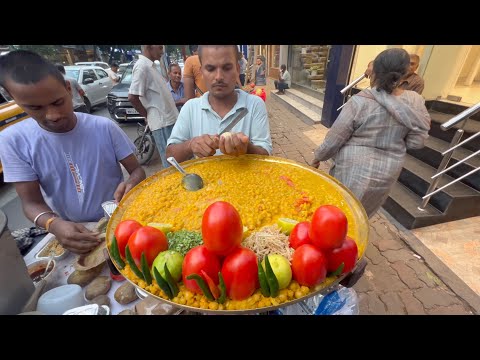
<point>368,141</point>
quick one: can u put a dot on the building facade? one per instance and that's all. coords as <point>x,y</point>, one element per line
<point>451,72</point>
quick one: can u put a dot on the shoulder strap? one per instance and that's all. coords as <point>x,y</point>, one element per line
<point>197,88</point>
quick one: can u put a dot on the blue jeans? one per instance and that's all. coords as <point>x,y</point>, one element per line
<point>161,137</point>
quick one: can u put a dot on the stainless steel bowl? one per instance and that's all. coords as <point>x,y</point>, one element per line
<point>360,225</point>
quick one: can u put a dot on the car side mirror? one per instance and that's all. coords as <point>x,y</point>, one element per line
<point>87,81</point>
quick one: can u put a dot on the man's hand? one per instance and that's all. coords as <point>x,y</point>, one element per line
<point>233,143</point>
<point>74,237</point>
<point>205,145</point>
<point>122,188</point>
<point>315,163</point>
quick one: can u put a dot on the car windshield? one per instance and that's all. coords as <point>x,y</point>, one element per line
<point>122,68</point>
<point>127,75</point>
<point>72,74</point>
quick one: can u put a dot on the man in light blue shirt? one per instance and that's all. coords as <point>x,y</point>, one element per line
<point>201,120</point>
<point>175,85</point>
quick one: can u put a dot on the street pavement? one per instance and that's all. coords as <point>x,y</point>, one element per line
<point>396,281</point>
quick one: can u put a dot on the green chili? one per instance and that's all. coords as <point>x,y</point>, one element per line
<point>171,282</point>
<point>264,288</point>
<point>162,283</point>
<point>146,270</point>
<point>223,289</point>
<point>339,270</point>
<point>131,262</point>
<point>201,284</point>
<point>116,254</point>
<point>271,278</point>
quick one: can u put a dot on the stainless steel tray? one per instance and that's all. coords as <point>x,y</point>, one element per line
<point>361,225</point>
<point>56,257</point>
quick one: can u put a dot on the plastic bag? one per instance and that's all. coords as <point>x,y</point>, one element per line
<point>342,301</point>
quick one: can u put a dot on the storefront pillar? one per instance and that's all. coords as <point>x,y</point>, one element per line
<point>338,70</point>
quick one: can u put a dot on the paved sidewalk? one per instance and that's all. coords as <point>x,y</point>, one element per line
<point>396,280</point>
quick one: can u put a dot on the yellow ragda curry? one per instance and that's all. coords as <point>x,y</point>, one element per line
<point>262,189</point>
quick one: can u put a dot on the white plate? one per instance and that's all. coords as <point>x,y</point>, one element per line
<point>131,111</point>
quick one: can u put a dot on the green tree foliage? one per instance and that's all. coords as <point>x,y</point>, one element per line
<point>49,51</point>
<point>116,56</point>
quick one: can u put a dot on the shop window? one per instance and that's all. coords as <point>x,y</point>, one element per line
<point>308,65</point>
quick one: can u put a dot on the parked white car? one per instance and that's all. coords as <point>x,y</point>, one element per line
<point>94,81</point>
<point>103,65</point>
<point>121,68</point>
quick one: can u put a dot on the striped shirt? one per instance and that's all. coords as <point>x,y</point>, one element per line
<point>413,82</point>
<point>369,139</point>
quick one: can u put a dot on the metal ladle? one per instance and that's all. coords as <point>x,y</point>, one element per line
<point>50,259</point>
<point>191,182</point>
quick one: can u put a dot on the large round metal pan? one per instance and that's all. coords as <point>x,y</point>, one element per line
<point>359,227</point>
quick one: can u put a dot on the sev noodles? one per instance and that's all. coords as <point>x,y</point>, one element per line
<point>269,240</point>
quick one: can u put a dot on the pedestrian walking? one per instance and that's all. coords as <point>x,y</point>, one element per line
<point>150,96</point>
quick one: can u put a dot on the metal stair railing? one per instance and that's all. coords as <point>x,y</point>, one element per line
<point>447,154</point>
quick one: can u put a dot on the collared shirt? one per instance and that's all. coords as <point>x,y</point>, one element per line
<point>260,74</point>
<point>286,78</point>
<point>198,118</point>
<point>177,95</point>
<point>413,82</point>
<point>243,65</point>
<point>148,83</point>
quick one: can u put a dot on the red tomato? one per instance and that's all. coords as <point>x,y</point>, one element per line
<point>149,240</point>
<point>329,227</point>
<point>299,235</point>
<point>123,231</point>
<point>346,254</point>
<point>196,260</point>
<point>222,228</point>
<point>240,272</point>
<point>309,265</point>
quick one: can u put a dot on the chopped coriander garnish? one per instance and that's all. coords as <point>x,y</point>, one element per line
<point>183,240</point>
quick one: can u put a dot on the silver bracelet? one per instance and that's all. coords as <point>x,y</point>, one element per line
<point>38,217</point>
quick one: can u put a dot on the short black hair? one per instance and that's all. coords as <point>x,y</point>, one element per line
<point>60,68</point>
<point>171,65</point>
<point>114,65</point>
<point>26,67</point>
<point>200,50</point>
<point>193,48</point>
<point>283,67</point>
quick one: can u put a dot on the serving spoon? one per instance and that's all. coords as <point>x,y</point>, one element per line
<point>45,273</point>
<point>191,182</point>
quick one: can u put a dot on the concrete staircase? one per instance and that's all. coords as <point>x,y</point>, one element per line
<point>458,201</point>
<point>305,106</point>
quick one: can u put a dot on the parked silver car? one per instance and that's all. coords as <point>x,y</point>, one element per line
<point>102,64</point>
<point>119,107</point>
<point>94,81</point>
